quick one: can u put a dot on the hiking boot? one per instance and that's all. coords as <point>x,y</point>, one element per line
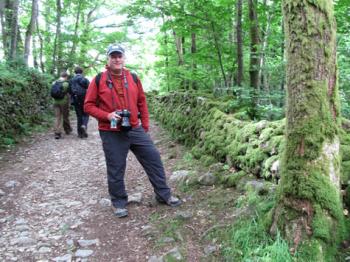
<point>121,212</point>
<point>172,201</point>
<point>83,131</point>
<point>57,136</point>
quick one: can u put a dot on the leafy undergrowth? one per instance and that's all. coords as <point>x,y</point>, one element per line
<point>234,220</point>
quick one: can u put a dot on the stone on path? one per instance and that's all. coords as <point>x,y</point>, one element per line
<point>83,253</point>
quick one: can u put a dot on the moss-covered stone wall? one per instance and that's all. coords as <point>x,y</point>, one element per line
<point>214,134</point>
<point>24,99</point>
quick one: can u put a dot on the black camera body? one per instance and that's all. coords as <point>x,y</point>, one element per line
<point>125,119</point>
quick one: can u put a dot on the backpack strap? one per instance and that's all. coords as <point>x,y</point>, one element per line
<point>98,78</point>
<point>134,77</point>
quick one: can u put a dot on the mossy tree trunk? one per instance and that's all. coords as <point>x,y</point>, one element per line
<point>309,209</point>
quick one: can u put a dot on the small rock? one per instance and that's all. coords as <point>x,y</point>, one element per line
<point>207,179</point>
<point>148,231</point>
<point>12,183</point>
<point>83,253</point>
<point>73,203</point>
<point>275,168</point>
<point>173,255</point>
<point>155,259</point>
<point>135,198</point>
<point>65,258</point>
<point>21,221</point>
<point>167,240</point>
<point>2,193</point>
<point>43,250</point>
<point>209,249</point>
<point>185,215</point>
<point>22,228</point>
<point>179,176</point>
<point>86,243</point>
<point>105,202</point>
<point>25,241</point>
<point>256,185</point>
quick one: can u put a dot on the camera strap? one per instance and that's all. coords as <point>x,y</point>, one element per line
<point>126,86</point>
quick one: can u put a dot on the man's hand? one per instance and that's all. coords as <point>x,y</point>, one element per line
<point>113,115</point>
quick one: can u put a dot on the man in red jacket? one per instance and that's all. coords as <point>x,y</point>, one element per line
<point>117,101</point>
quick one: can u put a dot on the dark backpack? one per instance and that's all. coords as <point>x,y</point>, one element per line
<point>98,78</point>
<point>57,90</point>
<point>79,85</point>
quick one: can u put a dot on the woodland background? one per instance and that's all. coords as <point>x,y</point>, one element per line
<point>220,68</point>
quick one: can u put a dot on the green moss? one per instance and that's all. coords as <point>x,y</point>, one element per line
<point>232,179</point>
<point>314,186</point>
<point>345,174</point>
<point>207,160</point>
<point>311,251</point>
<point>322,224</point>
<point>347,198</point>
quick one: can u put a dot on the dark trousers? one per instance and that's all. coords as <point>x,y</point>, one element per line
<point>116,146</point>
<point>82,117</point>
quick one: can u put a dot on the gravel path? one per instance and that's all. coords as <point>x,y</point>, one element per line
<point>55,205</point>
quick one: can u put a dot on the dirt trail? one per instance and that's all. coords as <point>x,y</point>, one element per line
<point>55,205</point>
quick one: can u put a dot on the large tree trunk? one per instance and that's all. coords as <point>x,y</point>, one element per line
<point>239,43</point>
<point>30,30</point>
<point>9,25</point>
<point>309,209</point>
<point>14,30</point>
<point>3,26</point>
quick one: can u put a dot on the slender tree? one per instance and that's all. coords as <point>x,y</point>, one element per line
<point>239,43</point>
<point>57,51</point>
<point>254,44</point>
<point>309,208</point>
<point>30,30</point>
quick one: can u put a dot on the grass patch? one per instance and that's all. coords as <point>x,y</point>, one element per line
<point>247,238</point>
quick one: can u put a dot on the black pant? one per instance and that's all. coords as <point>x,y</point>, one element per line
<point>116,146</point>
<point>82,117</point>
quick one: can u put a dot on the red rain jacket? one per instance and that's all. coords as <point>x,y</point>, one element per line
<point>100,101</point>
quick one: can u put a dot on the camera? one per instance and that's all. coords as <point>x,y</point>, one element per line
<point>124,121</point>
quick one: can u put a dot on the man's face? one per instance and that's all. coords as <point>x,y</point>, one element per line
<point>116,61</point>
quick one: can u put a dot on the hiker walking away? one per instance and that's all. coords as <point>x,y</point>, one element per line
<point>116,97</point>
<point>59,92</point>
<point>79,84</point>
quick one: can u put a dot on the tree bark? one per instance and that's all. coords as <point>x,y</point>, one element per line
<point>217,47</point>
<point>263,73</point>
<point>3,27</point>
<point>309,209</point>
<point>30,30</point>
<point>41,43</point>
<point>179,49</point>
<point>254,44</point>
<point>72,55</point>
<point>14,30</point>
<point>194,65</point>
<point>239,43</point>
<point>56,56</point>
